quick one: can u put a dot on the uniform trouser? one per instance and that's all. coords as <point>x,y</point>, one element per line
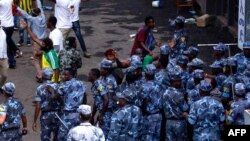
<point>71,119</point>
<point>11,135</point>
<point>11,46</point>
<point>106,123</point>
<point>207,134</point>
<point>65,33</point>
<point>176,130</point>
<point>152,127</point>
<point>3,71</point>
<point>49,125</point>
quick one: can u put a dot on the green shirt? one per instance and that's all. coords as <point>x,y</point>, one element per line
<point>148,59</point>
<point>52,59</point>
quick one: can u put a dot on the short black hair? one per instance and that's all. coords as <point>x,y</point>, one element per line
<point>96,72</point>
<point>147,19</point>
<point>70,41</point>
<point>52,20</point>
<point>48,44</point>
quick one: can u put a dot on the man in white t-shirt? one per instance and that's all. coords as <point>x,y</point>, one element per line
<point>55,34</point>
<point>76,25</point>
<point>7,21</point>
<point>62,14</point>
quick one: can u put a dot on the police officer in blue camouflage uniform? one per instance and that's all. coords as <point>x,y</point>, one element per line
<point>72,93</point>
<point>206,115</point>
<point>217,73</point>
<point>192,52</point>
<point>180,37</point>
<point>182,61</point>
<point>174,106</point>
<point>10,129</point>
<point>194,81</point>
<point>196,63</point>
<point>102,101</point>
<point>126,122</point>
<point>219,52</point>
<point>236,115</point>
<point>47,106</point>
<point>161,76</point>
<point>151,105</point>
<point>243,57</point>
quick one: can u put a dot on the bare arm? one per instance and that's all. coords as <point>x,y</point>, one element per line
<point>145,47</point>
<point>56,75</point>
<point>36,115</point>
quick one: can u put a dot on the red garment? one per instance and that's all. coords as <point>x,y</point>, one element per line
<point>141,36</point>
<point>14,11</point>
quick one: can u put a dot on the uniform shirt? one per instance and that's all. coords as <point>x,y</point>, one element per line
<point>174,103</point>
<point>162,79</point>
<point>242,62</point>
<point>85,132</point>
<point>72,92</point>
<point>38,23</point>
<point>15,109</point>
<point>236,115</point>
<point>125,124</point>
<point>181,38</point>
<point>98,89</point>
<point>152,96</point>
<point>227,85</point>
<point>111,83</point>
<point>57,38</point>
<point>70,58</point>
<point>206,113</point>
<point>138,88</point>
<point>6,16</point>
<point>45,97</point>
<point>62,14</point>
<point>220,78</point>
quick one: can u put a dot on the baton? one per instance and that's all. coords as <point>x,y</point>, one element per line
<point>229,44</point>
<point>62,121</point>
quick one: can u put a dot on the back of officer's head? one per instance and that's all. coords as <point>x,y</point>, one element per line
<point>8,89</point>
<point>240,90</point>
<point>205,88</point>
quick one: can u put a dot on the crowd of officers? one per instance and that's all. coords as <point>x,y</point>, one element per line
<point>169,99</point>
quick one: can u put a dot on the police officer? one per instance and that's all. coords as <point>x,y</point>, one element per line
<point>182,61</point>
<point>243,58</point>
<point>174,106</point>
<point>219,52</point>
<point>102,101</point>
<point>126,122</point>
<point>206,115</point>
<point>196,63</point>
<point>85,131</point>
<point>10,129</point>
<point>48,107</point>
<point>236,116</point>
<point>180,37</point>
<point>192,52</point>
<point>72,93</point>
<point>194,81</point>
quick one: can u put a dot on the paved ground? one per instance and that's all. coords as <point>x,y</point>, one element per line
<point>108,24</point>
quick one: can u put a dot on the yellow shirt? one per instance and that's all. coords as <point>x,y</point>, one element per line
<point>45,64</point>
<point>26,5</point>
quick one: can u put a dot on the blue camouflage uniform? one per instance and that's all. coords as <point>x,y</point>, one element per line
<point>181,38</point>
<point>10,129</point>
<point>174,105</point>
<point>126,122</point>
<point>197,74</point>
<point>151,106</point>
<point>181,59</point>
<point>72,93</point>
<point>219,78</point>
<point>222,48</point>
<point>236,115</point>
<point>99,89</point>
<point>193,95</point>
<point>242,60</point>
<point>161,78</point>
<point>206,115</point>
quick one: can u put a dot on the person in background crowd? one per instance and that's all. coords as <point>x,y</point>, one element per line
<point>48,52</point>
<point>62,14</point>
<point>85,131</point>
<point>76,26</point>
<point>70,57</point>
<point>243,58</point>
<point>16,114</point>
